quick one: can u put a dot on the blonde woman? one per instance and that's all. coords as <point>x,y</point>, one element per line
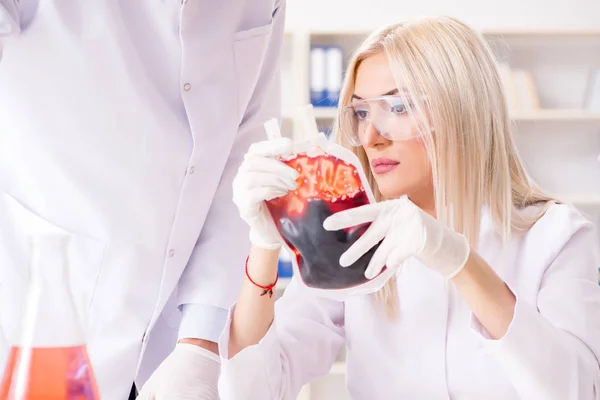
<point>503,305</point>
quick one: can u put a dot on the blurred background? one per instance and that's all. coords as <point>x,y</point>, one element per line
<point>548,53</point>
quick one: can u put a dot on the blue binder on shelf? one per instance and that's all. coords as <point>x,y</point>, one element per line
<point>317,76</point>
<point>334,74</point>
<point>326,71</point>
<point>284,265</point>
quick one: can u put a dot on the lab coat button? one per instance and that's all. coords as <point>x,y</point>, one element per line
<point>171,253</point>
<point>191,170</point>
<point>187,87</point>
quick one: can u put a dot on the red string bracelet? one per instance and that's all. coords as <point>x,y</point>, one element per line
<point>266,289</point>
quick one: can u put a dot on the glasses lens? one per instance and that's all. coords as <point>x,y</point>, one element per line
<point>391,117</point>
<point>388,115</point>
<point>353,123</point>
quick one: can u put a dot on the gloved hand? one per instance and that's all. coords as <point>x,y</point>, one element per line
<point>406,231</point>
<point>261,177</point>
<point>190,372</point>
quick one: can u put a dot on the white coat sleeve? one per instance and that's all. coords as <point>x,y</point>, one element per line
<point>212,279</point>
<point>300,346</point>
<point>9,18</point>
<point>551,350</point>
<point>15,16</point>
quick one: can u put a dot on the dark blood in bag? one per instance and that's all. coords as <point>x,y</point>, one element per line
<point>327,185</point>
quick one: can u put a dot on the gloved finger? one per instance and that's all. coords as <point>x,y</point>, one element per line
<point>353,217</point>
<point>268,179</point>
<point>271,165</point>
<point>373,235</point>
<point>271,148</point>
<point>378,261</point>
<point>265,193</point>
<point>399,254</point>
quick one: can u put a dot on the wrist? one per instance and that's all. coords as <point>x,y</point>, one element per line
<point>262,265</point>
<point>488,296</point>
<point>260,241</point>
<point>452,255</point>
<point>478,278</point>
<point>191,347</point>
<point>205,344</point>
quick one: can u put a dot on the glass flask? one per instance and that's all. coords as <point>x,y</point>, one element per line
<point>50,360</point>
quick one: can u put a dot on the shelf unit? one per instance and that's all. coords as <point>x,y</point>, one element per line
<point>559,143</point>
<point>515,43</point>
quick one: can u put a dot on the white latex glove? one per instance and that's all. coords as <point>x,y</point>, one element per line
<point>262,177</point>
<point>190,372</point>
<point>406,231</point>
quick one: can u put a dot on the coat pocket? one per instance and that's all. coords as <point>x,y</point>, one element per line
<point>249,51</point>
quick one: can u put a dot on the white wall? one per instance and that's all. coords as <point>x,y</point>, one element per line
<point>482,14</point>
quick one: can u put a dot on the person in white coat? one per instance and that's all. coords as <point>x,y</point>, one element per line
<point>122,124</point>
<point>496,293</point>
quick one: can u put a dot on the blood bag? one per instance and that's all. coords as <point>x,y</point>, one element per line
<point>331,179</point>
<point>49,361</point>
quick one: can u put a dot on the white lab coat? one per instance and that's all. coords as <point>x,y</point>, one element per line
<point>436,349</point>
<point>122,123</point>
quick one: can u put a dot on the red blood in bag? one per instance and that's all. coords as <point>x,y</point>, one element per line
<point>327,185</point>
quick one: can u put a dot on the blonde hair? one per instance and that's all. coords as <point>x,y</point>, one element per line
<point>450,75</point>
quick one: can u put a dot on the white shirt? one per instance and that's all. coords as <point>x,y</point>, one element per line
<point>436,349</point>
<point>122,123</point>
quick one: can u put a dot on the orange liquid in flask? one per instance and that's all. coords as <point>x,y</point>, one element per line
<point>62,373</point>
<point>49,360</point>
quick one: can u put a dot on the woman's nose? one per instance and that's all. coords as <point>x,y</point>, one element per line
<point>372,137</point>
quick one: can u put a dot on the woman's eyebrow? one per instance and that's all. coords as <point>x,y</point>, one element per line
<point>390,93</point>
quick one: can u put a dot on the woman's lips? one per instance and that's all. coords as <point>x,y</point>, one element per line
<point>383,165</point>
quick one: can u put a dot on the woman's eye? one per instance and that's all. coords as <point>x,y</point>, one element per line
<point>398,108</point>
<point>361,115</point>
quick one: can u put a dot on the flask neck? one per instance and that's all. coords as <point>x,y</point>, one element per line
<point>50,318</point>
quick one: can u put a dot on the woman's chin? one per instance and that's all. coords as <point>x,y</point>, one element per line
<point>390,192</point>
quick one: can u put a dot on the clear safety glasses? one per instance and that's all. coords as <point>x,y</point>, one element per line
<point>389,115</point>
